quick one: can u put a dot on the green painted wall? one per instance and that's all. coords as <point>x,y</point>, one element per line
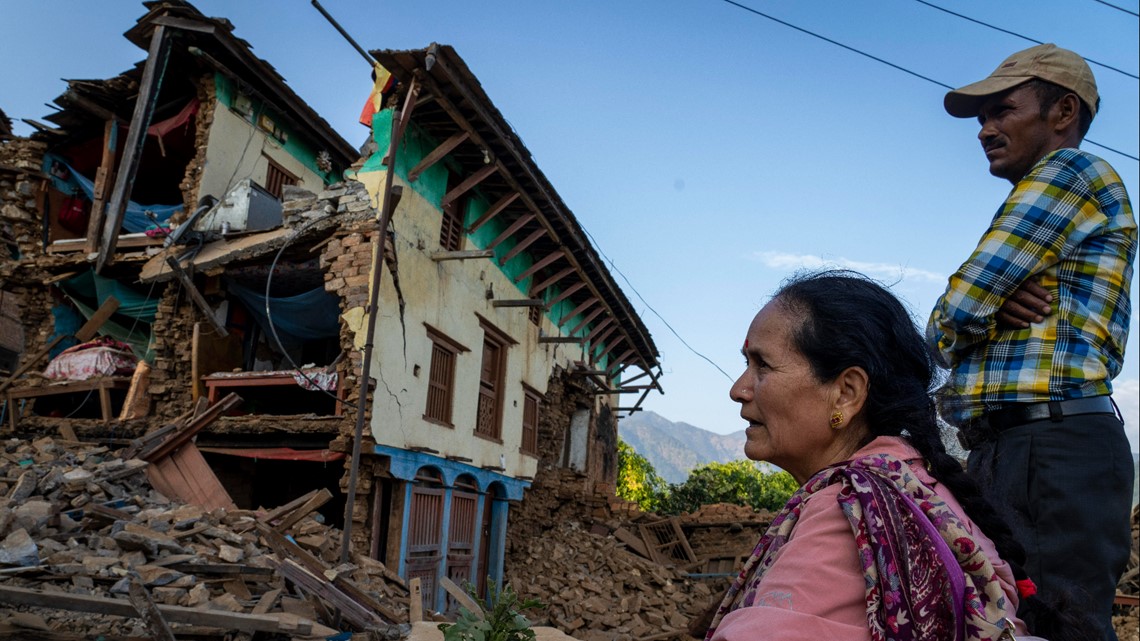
<point>295,144</point>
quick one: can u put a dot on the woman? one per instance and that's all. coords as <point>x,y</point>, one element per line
<point>887,538</point>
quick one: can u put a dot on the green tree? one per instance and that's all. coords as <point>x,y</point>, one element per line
<point>738,482</point>
<point>637,481</point>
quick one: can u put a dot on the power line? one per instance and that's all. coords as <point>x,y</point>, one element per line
<point>614,267</point>
<point>1018,35</point>
<point>890,64</point>
<point>1109,4</point>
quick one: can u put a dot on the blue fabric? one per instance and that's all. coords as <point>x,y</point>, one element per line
<point>67,322</point>
<point>92,286</point>
<point>134,220</point>
<point>311,315</point>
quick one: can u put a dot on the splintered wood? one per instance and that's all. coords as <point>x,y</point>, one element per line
<point>89,548</point>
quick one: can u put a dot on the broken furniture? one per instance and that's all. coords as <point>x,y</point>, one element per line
<point>101,387</point>
<point>293,380</point>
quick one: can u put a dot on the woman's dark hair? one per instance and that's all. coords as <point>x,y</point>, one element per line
<point>850,320</point>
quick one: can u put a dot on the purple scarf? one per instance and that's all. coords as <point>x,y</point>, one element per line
<point>925,575</point>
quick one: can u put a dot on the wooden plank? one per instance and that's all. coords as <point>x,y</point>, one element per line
<point>518,302</point>
<point>586,321</point>
<point>103,177</point>
<point>415,601</point>
<point>180,436</point>
<point>322,497</point>
<point>632,542</point>
<point>558,339</point>
<point>461,255</point>
<point>195,295</point>
<point>137,402</point>
<point>278,512</point>
<point>461,597</point>
<point>172,613</point>
<point>495,209</point>
<point>317,585</point>
<point>148,92</point>
<point>564,294</point>
<point>437,154</point>
<point>1126,599</point>
<point>598,329</point>
<point>200,479</point>
<point>148,611</point>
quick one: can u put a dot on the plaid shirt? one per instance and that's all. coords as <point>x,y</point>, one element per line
<point>1068,222</point>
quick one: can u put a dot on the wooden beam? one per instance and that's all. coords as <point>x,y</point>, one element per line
<point>437,154</point>
<point>462,255</point>
<point>600,342</point>
<point>566,293</point>
<point>195,295</point>
<point>495,209</point>
<point>314,502</point>
<point>148,611</point>
<point>132,149</point>
<point>586,304</point>
<point>558,339</point>
<point>522,245</point>
<point>609,347</point>
<point>585,321</point>
<point>405,115</point>
<point>621,359</point>
<point>549,259</point>
<point>518,302</point>
<point>472,180</point>
<point>461,597</point>
<point>103,176</point>
<point>510,230</point>
<point>172,613</point>
<point>598,329</point>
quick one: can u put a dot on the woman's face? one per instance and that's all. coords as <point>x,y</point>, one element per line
<point>786,407</point>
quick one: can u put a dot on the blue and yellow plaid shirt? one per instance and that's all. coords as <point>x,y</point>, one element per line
<point>1069,223</point>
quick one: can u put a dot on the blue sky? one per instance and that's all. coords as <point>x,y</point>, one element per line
<point>708,151</point>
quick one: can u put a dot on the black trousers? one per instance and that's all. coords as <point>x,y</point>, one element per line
<point>1066,488</point>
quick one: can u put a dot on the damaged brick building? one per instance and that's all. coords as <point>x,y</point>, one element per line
<point>500,344</point>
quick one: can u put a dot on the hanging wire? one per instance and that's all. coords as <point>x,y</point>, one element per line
<point>1109,4</point>
<point>891,64</point>
<point>1018,35</point>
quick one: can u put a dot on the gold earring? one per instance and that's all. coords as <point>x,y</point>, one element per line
<point>836,420</point>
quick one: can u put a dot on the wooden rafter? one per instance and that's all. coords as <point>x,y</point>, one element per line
<point>609,347</point>
<point>583,306</point>
<point>511,230</point>
<point>437,154</point>
<point>566,293</point>
<point>472,180</point>
<point>621,359</point>
<point>601,341</point>
<point>405,115</point>
<point>522,245</point>
<point>495,209</point>
<point>540,287</point>
<point>599,327</point>
<point>585,321</point>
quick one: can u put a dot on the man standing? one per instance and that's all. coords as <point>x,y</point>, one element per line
<point>1033,326</point>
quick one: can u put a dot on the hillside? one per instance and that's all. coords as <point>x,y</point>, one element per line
<point>675,448</point>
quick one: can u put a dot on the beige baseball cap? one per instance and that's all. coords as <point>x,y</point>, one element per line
<point>1047,62</point>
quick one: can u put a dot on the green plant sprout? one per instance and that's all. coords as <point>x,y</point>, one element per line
<point>502,621</point>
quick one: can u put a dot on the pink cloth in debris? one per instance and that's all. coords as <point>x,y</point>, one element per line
<point>315,379</point>
<point>101,357</point>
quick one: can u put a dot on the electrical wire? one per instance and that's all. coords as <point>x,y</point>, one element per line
<point>892,65</point>
<point>1018,35</point>
<point>614,267</point>
<point>1109,4</point>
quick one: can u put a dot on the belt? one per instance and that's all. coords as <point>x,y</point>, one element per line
<point>994,422</point>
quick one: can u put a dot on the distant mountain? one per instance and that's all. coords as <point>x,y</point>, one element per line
<point>676,448</point>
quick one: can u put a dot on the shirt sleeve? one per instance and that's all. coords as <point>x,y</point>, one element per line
<point>813,590</point>
<point>1049,212</point>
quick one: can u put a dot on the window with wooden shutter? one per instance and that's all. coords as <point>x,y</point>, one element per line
<point>276,178</point>
<point>530,421</point>
<point>489,417</point>
<point>441,378</point>
<point>451,228</point>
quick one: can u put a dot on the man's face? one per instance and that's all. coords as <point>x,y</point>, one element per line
<point>1014,135</point>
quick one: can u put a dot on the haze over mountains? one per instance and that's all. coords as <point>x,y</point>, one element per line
<point>676,448</point>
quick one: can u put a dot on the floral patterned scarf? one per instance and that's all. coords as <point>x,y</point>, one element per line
<point>926,576</point>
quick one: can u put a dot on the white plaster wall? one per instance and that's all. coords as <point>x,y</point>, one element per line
<point>236,149</point>
<point>447,295</point>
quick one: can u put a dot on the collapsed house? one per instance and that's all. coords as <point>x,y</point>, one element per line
<point>220,237</point>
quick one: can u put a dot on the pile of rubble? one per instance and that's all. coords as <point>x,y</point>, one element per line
<point>597,590</point>
<point>84,536</point>
<point>1127,620</point>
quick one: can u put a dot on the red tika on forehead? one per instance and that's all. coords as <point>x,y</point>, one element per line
<point>746,343</point>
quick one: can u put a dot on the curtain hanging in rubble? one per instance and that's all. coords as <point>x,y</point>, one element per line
<point>303,317</point>
<point>67,180</point>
